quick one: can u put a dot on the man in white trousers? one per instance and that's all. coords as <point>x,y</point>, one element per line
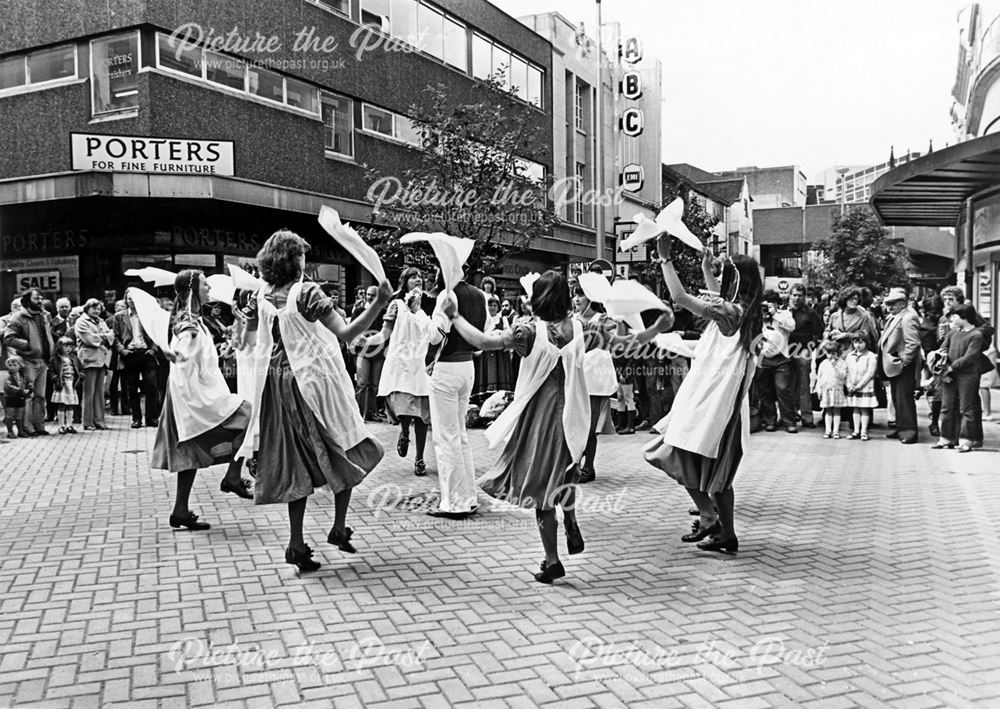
<point>451,386</point>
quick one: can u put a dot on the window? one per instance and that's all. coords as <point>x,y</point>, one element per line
<point>578,105</point>
<point>227,71</point>
<point>375,14</point>
<point>114,66</point>
<point>266,84</point>
<point>175,55</point>
<point>52,64</point>
<point>455,44</point>
<point>578,186</point>
<point>501,65</point>
<point>519,77</point>
<point>535,86</point>
<point>12,73</point>
<point>341,6</point>
<point>338,119</point>
<point>301,95</point>
<point>482,62</point>
<point>431,23</point>
<point>407,131</point>
<point>377,120</point>
<point>403,22</point>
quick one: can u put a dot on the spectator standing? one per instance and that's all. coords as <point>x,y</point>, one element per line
<point>802,341</point>
<point>94,339</point>
<point>16,395</point>
<point>136,352</point>
<point>931,336</point>
<point>29,335</point>
<point>369,369</point>
<point>64,374</point>
<point>775,376</point>
<point>961,415</point>
<point>861,368</point>
<point>899,349</point>
<point>118,395</point>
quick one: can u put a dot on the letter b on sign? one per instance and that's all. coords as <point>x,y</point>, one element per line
<point>631,86</point>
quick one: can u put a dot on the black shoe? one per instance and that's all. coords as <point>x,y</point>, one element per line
<point>909,440</point>
<point>716,544</point>
<point>137,424</point>
<point>587,475</point>
<point>191,522</point>
<point>574,540</point>
<point>403,444</point>
<point>41,432</point>
<point>241,490</point>
<point>934,430</point>
<point>694,512</point>
<point>808,424</point>
<point>770,428</point>
<point>549,573</point>
<point>791,429</point>
<point>452,515</point>
<point>302,559</point>
<point>702,532</point>
<point>419,468</point>
<point>342,540</point>
<point>893,434</point>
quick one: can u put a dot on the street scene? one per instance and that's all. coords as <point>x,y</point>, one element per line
<point>489,353</point>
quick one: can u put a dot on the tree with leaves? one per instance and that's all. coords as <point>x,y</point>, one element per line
<point>859,252</point>
<point>470,179</point>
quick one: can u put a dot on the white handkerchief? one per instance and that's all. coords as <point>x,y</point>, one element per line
<point>595,286</point>
<point>528,282</point>
<point>221,288</point>
<point>451,252</point>
<point>157,276</point>
<point>243,280</point>
<point>347,237</point>
<point>155,320</point>
<point>673,342</point>
<point>668,220</point>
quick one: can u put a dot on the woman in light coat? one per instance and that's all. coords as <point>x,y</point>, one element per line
<point>94,339</point>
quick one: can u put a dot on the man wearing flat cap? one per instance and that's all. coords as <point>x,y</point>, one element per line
<point>899,356</point>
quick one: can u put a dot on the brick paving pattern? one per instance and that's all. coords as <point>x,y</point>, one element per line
<point>869,575</point>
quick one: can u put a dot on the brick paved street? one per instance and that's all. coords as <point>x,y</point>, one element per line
<point>869,575</point>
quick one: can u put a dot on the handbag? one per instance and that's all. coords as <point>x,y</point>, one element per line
<point>985,365</point>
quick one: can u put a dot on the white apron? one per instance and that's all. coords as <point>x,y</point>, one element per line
<point>532,374</point>
<point>314,355</point>
<point>405,368</point>
<point>199,395</point>
<point>706,397</point>
<point>599,369</point>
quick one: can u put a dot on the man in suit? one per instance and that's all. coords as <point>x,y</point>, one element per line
<point>899,356</point>
<point>136,352</point>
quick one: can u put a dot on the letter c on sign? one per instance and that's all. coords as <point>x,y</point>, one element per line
<point>632,122</point>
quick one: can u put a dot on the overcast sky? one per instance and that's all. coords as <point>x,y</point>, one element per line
<point>778,82</point>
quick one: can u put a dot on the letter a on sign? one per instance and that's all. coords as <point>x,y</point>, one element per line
<point>631,86</point>
<point>632,50</point>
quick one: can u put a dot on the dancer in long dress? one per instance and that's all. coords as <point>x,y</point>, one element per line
<point>201,422</point>
<point>546,425</point>
<point>306,428</point>
<point>704,436</point>
<point>404,382</point>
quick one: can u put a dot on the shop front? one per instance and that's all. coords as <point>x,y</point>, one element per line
<point>80,248</point>
<point>958,187</point>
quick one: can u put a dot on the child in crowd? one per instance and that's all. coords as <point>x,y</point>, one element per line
<point>831,377</point>
<point>861,366</point>
<point>16,393</point>
<point>64,371</point>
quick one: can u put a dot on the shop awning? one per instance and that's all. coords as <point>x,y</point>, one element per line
<point>931,191</point>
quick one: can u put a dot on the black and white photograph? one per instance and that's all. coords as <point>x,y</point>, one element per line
<point>407,354</point>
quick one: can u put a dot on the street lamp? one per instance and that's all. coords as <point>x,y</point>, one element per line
<point>599,142</point>
<point>842,171</point>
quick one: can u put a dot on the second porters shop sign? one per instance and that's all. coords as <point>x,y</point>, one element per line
<point>124,153</point>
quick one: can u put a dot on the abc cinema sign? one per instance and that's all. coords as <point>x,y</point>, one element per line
<point>632,121</point>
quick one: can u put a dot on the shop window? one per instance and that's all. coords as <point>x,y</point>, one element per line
<point>175,55</point>
<point>302,95</point>
<point>266,84</point>
<point>455,44</point>
<point>52,64</point>
<point>12,73</point>
<point>201,261</point>
<point>431,32</point>
<point>338,120</point>
<point>226,71</point>
<point>482,61</point>
<point>114,67</point>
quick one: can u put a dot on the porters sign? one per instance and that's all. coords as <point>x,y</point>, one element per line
<point>120,153</point>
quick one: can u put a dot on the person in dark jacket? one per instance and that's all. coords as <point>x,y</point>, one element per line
<point>135,350</point>
<point>29,335</point>
<point>801,342</point>
<point>961,415</point>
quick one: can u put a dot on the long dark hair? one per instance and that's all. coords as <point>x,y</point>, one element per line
<point>746,290</point>
<point>187,282</point>
<point>550,299</point>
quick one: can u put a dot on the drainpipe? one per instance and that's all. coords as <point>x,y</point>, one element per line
<point>970,273</point>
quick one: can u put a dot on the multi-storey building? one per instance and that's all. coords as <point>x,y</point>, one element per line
<point>782,186</point>
<point>854,186</point>
<point>728,200</point>
<point>628,137</point>
<point>177,134</point>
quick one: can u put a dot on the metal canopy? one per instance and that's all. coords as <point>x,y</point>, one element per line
<point>931,191</point>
